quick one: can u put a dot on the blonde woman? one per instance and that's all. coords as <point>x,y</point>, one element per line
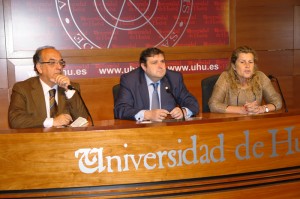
<point>243,88</point>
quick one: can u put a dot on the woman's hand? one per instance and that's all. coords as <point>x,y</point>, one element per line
<point>254,108</point>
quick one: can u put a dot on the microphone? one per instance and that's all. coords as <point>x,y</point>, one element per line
<point>70,87</point>
<point>271,77</point>
<point>169,91</point>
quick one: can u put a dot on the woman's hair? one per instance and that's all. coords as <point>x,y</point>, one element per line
<point>233,76</point>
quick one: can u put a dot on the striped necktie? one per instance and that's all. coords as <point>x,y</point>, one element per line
<point>155,97</point>
<point>53,105</point>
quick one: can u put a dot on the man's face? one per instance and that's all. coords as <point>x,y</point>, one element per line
<point>155,67</point>
<point>48,71</point>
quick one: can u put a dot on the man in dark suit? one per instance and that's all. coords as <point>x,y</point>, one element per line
<point>134,99</point>
<point>30,107</point>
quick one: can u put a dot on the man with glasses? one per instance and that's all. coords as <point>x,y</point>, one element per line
<point>45,100</point>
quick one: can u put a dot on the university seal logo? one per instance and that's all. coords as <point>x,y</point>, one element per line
<point>124,23</point>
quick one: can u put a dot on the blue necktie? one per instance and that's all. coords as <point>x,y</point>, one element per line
<point>155,98</point>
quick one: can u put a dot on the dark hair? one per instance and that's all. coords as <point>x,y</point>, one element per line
<point>149,52</point>
<point>37,55</point>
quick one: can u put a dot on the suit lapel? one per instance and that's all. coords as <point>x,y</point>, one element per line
<point>38,97</point>
<point>61,100</point>
<point>163,93</point>
<point>143,90</point>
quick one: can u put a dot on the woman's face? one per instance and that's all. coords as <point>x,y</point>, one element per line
<point>244,65</point>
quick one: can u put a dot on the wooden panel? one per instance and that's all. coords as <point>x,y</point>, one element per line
<point>297,62</point>
<point>249,153</point>
<point>296,90</point>
<point>97,94</point>
<point>259,24</point>
<point>272,191</point>
<point>268,186</point>
<point>287,88</point>
<point>4,103</point>
<point>277,63</point>
<point>297,28</point>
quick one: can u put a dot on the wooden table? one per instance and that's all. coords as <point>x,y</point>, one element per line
<point>211,156</point>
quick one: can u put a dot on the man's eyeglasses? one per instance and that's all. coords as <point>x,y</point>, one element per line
<point>61,62</point>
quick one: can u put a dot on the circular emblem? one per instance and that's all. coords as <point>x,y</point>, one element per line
<point>126,23</point>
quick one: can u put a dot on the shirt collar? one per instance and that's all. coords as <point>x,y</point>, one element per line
<point>47,88</point>
<point>149,81</point>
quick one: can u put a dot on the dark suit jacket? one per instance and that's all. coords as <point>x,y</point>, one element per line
<point>28,108</point>
<point>133,95</point>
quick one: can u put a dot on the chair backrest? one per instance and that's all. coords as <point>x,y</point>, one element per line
<point>207,86</point>
<point>115,91</point>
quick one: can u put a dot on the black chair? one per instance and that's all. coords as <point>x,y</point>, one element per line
<point>115,91</point>
<point>207,86</point>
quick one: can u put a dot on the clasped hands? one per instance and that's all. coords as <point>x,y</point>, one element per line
<point>253,108</point>
<point>162,114</point>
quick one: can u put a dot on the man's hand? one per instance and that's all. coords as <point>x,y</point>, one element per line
<point>176,113</point>
<point>62,120</point>
<point>156,115</point>
<point>62,81</point>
